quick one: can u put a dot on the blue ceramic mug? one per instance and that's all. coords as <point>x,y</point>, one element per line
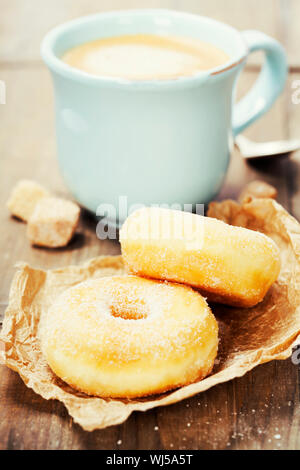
<point>154,141</point>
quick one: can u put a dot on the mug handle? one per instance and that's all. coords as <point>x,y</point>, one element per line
<point>269,84</point>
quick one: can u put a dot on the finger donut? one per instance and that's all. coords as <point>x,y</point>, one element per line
<point>230,265</point>
<point>129,337</point>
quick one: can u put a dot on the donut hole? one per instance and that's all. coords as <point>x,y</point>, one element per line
<point>129,311</point>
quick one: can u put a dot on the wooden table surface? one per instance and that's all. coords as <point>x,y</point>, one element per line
<point>258,411</point>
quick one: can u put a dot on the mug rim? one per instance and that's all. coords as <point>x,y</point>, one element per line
<point>55,64</point>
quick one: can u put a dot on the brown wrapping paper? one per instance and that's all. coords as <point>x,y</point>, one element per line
<point>248,337</point>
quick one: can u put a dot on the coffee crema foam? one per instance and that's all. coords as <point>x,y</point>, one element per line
<point>145,57</point>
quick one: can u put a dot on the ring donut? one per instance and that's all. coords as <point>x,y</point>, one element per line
<point>129,337</point>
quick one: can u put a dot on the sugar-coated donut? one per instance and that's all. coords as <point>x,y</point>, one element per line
<point>230,265</point>
<point>129,337</point>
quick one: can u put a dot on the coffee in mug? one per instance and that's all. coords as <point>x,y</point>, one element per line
<point>145,57</point>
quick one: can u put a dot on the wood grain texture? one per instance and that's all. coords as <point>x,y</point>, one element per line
<point>258,411</point>
<point>290,19</point>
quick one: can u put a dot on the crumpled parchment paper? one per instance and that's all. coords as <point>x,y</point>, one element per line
<point>248,337</point>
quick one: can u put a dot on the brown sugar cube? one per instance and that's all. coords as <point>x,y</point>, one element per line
<point>257,190</point>
<point>53,222</point>
<point>24,198</point>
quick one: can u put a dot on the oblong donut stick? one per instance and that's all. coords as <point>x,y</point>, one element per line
<point>230,265</point>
